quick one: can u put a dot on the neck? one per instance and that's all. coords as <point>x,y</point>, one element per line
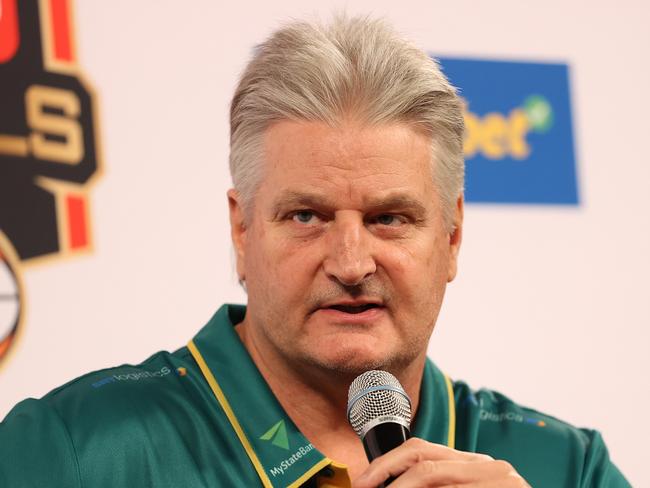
<point>316,400</point>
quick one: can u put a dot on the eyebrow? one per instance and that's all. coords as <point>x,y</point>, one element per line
<point>389,202</point>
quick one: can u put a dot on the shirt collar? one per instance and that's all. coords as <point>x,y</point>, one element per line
<point>280,453</point>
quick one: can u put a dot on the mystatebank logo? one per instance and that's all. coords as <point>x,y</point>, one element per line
<point>285,464</point>
<point>519,145</point>
<point>277,435</point>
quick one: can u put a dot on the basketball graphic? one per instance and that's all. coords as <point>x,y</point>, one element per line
<point>10,309</point>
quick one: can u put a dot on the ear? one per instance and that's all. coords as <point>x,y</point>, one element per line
<point>455,238</point>
<point>238,231</point>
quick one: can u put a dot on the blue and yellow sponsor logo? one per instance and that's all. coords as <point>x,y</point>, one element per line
<point>519,146</point>
<point>497,136</point>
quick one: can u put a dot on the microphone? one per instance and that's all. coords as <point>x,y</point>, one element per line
<point>379,411</point>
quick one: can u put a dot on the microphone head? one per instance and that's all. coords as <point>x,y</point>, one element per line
<point>376,397</point>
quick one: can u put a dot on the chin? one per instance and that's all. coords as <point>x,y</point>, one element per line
<point>352,361</point>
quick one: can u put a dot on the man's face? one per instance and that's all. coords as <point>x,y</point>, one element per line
<point>345,253</point>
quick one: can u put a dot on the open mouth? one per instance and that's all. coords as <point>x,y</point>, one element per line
<point>353,309</point>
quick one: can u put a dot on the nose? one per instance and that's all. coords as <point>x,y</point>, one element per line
<point>349,259</point>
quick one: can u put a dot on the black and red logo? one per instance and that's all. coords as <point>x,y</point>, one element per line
<point>48,146</point>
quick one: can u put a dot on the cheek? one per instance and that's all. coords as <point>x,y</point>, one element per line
<point>417,271</point>
<point>437,266</point>
<point>258,258</point>
<point>280,265</point>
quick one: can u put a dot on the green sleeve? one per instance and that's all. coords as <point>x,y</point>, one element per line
<point>35,449</point>
<point>599,471</point>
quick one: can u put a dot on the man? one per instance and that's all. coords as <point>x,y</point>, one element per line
<point>346,217</point>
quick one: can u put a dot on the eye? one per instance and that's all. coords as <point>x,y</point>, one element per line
<point>388,220</point>
<point>304,216</point>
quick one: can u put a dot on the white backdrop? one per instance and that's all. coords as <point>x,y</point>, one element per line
<point>551,305</point>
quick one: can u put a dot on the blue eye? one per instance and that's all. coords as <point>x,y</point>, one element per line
<point>386,219</point>
<point>304,216</point>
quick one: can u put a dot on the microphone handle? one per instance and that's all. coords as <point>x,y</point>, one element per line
<point>382,438</point>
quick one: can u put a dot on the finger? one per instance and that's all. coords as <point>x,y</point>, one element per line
<point>410,453</point>
<point>484,474</point>
<point>512,482</point>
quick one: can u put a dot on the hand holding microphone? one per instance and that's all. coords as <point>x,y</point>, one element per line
<point>379,411</point>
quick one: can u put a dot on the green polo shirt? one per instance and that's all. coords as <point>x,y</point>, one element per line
<point>204,417</point>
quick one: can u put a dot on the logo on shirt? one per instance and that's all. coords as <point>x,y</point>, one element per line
<point>282,462</point>
<point>132,376</point>
<point>277,435</point>
<point>285,465</point>
<point>48,147</point>
<point>509,417</point>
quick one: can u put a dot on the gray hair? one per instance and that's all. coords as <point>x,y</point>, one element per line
<point>359,66</point>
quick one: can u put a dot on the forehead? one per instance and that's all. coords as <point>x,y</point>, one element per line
<point>349,162</point>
